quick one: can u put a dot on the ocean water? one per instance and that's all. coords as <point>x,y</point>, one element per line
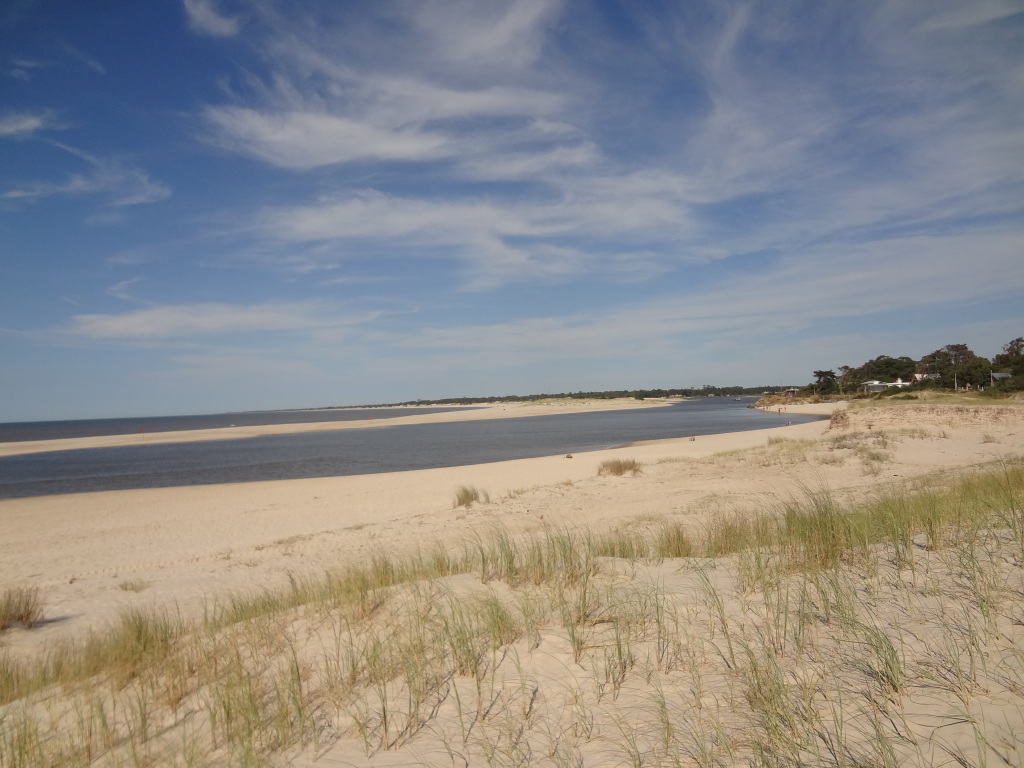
<point>355,452</point>
<point>54,430</point>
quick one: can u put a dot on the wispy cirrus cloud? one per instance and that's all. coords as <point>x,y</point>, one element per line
<point>501,243</point>
<point>121,183</point>
<point>505,35</point>
<point>23,68</point>
<point>205,17</point>
<point>194,320</point>
<point>773,130</point>
<point>318,108</point>
<point>21,125</point>
<point>303,140</point>
<point>212,319</point>
<point>907,275</point>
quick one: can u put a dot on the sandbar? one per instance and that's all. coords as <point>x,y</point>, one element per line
<point>469,413</point>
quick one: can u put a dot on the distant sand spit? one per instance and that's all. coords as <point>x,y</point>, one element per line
<point>470,413</point>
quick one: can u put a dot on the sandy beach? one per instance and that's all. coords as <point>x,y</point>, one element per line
<point>192,543</point>
<point>94,555</point>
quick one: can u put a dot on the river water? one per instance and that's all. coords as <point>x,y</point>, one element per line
<point>369,451</point>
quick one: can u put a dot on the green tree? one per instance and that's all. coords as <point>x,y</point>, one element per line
<point>1011,359</point>
<point>824,381</point>
<point>956,365</point>
<point>885,368</point>
<point>849,378</point>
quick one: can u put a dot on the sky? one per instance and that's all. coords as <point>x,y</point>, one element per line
<point>225,205</point>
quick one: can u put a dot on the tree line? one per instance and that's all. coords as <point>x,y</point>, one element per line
<point>954,366</point>
<point>708,390</point>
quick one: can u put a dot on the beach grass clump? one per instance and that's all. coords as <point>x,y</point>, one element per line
<point>620,467</point>
<point>133,585</point>
<point>623,544</point>
<point>553,557</point>
<point>466,495</point>
<point>20,606</point>
<point>673,540</point>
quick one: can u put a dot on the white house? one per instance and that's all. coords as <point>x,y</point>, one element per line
<point>878,386</point>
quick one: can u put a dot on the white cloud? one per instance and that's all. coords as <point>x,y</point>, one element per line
<point>776,129</point>
<point>782,147</point>
<point>542,163</point>
<point>89,61</point>
<point>121,290</point>
<point>199,320</point>
<point>902,276</point>
<point>24,125</point>
<point>204,17</point>
<point>482,32</point>
<point>123,184</point>
<point>503,242</point>
<point>303,140</point>
<point>971,14</point>
<point>316,319</point>
<point>23,68</point>
<point>322,103</point>
<point>404,100</point>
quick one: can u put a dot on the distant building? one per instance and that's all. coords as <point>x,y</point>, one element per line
<point>872,387</point>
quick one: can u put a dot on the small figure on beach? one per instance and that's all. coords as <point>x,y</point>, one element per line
<point>568,455</point>
<point>692,438</point>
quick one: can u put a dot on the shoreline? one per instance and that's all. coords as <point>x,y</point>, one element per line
<point>470,413</point>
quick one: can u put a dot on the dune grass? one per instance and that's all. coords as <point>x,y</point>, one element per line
<point>761,640</point>
<point>133,585</point>
<point>466,495</point>
<point>619,467</point>
<point>20,606</point>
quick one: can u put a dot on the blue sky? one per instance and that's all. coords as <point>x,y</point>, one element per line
<point>217,205</point>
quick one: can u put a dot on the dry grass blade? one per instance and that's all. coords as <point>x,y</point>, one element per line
<point>619,467</point>
<point>20,605</point>
<point>465,495</point>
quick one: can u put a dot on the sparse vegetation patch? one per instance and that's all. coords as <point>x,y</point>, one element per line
<point>619,467</point>
<point>20,606</point>
<point>465,495</point>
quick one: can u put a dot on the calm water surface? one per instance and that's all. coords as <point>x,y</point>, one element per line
<point>357,452</point>
<point>55,430</point>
